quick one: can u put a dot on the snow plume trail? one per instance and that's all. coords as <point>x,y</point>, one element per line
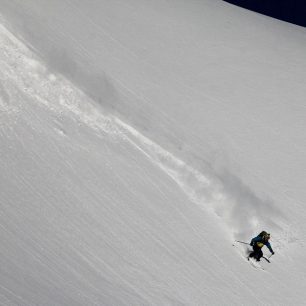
<point>236,205</point>
<point>22,72</point>
<point>239,208</point>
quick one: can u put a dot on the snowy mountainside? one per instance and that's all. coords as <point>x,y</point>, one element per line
<point>85,218</point>
<point>131,188</point>
<point>227,70</point>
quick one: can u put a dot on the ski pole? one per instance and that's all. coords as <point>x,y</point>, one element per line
<point>266,259</point>
<point>242,242</point>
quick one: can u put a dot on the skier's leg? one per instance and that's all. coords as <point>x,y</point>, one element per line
<point>257,253</point>
<point>252,254</point>
<point>260,254</point>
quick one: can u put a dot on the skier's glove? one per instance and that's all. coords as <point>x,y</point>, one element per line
<point>273,253</point>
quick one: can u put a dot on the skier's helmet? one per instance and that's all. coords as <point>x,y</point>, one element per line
<point>266,237</point>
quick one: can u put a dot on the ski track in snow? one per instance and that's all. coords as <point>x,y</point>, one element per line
<point>20,66</point>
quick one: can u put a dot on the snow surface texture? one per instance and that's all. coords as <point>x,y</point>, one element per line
<point>138,140</point>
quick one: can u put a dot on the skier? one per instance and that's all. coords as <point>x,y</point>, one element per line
<point>258,242</point>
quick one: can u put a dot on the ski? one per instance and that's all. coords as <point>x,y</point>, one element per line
<point>255,264</point>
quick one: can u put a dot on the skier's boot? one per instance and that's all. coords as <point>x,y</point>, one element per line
<point>257,257</point>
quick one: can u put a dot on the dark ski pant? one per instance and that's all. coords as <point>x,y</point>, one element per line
<point>257,252</point>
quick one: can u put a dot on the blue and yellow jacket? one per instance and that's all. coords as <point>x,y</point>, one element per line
<point>260,242</point>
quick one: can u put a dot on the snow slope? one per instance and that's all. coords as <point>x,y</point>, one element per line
<point>138,139</point>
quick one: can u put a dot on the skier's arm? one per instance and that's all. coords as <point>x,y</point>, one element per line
<point>268,245</point>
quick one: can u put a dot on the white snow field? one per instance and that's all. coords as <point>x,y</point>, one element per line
<point>138,140</point>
